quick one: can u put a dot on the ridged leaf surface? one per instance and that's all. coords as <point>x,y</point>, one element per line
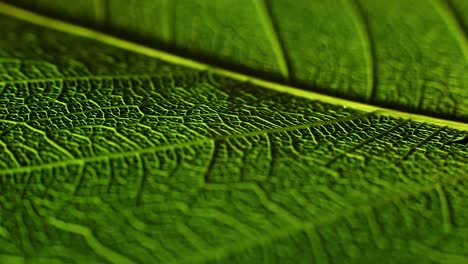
<point>111,156</point>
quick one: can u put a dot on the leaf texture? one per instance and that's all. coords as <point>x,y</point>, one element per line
<point>110,156</point>
<point>409,55</point>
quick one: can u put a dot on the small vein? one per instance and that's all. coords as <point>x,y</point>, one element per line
<point>301,126</point>
<point>91,239</point>
<point>413,148</point>
<point>9,153</point>
<point>26,185</point>
<point>77,161</point>
<point>317,246</point>
<point>275,206</point>
<point>372,221</point>
<point>445,209</point>
<point>195,240</point>
<point>454,21</point>
<point>437,256</point>
<point>362,23</point>
<point>94,77</point>
<point>101,109</point>
<point>143,173</point>
<point>270,157</point>
<point>213,155</point>
<point>242,228</point>
<point>363,143</point>
<point>79,179</point>
<point>51,142</point>
<point>272,32</point>
<point>398,194</point>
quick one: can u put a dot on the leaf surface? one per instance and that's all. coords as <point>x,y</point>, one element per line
<point>406,55</point>
<point>107,155</point>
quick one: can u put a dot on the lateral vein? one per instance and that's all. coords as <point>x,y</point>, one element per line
<point>273,34</point>
<point>82,160</point>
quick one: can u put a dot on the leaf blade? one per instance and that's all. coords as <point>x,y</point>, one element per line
<point>206,200</point>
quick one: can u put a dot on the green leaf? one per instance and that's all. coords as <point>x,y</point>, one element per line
<point>408,55</point>
<point>115,152</point>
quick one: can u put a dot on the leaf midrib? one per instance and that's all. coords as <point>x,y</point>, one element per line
<point>70,28</point>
